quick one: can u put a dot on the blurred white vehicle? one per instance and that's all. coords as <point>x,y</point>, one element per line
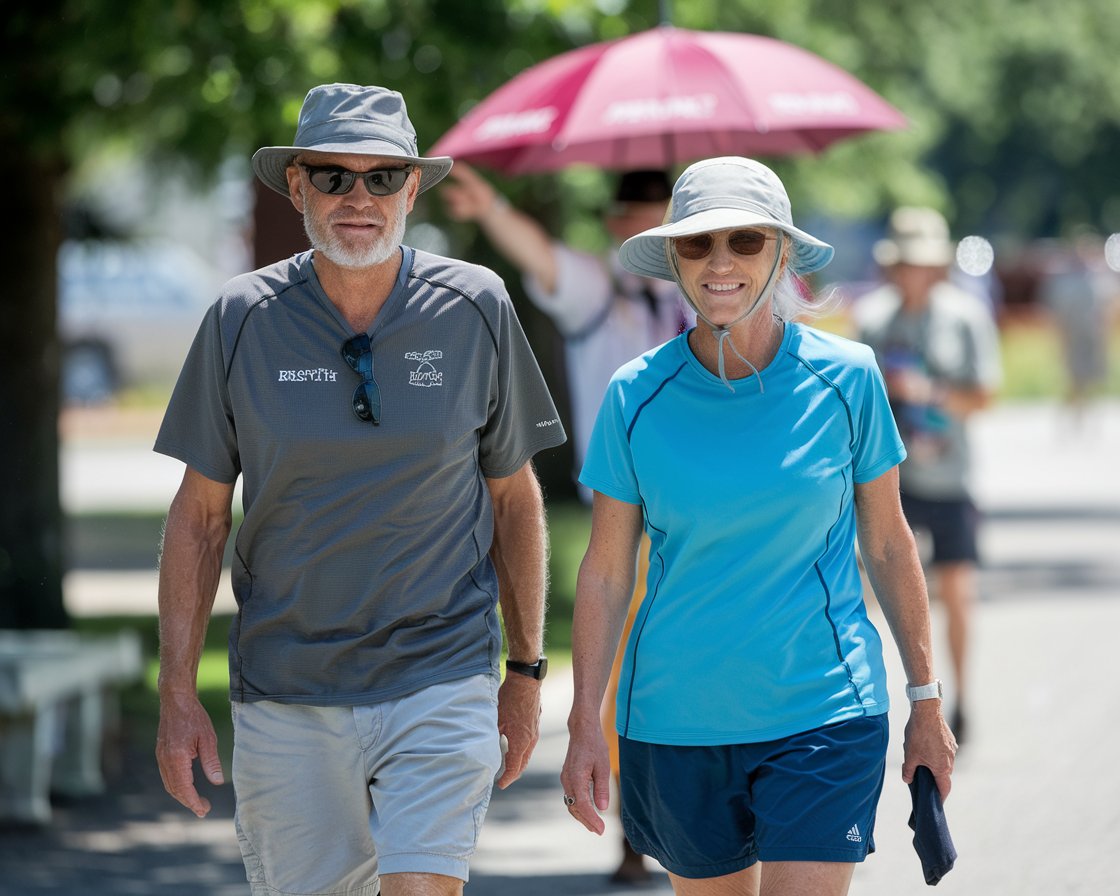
<point>127,314</point>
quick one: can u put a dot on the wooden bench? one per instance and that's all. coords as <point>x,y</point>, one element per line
<point>58,695</point>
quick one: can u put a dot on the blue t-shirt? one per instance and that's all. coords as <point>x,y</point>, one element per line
<point>754,625</point>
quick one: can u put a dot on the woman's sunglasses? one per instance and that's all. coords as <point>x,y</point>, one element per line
<point>336,180</point>
<point>700,245</point>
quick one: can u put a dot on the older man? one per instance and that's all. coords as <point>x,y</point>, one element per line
<point>938,348</point>
<point>382,407</point>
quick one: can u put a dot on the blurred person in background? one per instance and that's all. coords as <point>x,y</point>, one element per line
<point>938,348</point>
<point>752,711</point>
<point>1080,291</point>
<point>605,314</point>
<point>382,407</point>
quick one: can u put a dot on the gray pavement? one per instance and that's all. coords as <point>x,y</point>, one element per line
<point>1036,800</point>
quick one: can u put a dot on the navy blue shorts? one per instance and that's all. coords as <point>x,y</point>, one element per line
<point>952,526</point>
<point>707,811</point>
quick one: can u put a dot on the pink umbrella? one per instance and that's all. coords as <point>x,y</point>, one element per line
<point>663,97</point>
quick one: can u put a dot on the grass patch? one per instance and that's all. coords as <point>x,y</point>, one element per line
<point>140,701</point>
<point>1031,352</point>
<point>569,525</point>
<point>147,396</point>
<point>126,540</point>
<point>1033,364</point>
<point>113,540</point>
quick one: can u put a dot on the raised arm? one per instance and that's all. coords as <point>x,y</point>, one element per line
<point>522,240</point>
<point>194,539</point>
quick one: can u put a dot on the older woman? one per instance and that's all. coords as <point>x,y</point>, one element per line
<point>753,450</point>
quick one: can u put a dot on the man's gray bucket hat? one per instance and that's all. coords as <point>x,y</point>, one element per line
<point>721,194</point>
<point>347,118</point>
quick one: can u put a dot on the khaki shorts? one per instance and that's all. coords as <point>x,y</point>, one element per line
<point>329,797</point>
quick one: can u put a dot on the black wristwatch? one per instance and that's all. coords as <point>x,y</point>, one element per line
<point>535,670</point>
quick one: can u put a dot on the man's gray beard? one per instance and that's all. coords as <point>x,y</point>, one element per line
<point>380,252</point>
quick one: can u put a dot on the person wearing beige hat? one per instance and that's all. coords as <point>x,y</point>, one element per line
<point>752,450</point>
<point>938,347</point>
<point>381,406</point>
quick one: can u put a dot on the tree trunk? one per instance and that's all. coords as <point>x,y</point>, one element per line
<point>31,562</point>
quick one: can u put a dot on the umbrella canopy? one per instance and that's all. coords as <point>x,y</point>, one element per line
<point>664,97</point>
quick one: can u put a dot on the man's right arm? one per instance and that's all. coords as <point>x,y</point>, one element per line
<point>194,539</point>
<point>521,239</point>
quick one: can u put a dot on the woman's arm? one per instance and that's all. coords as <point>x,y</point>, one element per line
<point>890,557</point>
<point>603,592</point>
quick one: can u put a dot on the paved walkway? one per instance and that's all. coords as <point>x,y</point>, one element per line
<point>1036,801</point>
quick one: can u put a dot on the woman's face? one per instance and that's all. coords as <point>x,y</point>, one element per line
<point>725,271</point>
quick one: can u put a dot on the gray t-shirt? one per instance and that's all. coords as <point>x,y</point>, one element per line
<point>361,570</point>
<point>954,341</point>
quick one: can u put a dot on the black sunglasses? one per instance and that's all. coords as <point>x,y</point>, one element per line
<point>700,245</point>
<point>358,353</point>
<point>336,180</point>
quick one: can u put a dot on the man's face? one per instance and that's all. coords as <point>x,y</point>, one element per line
<point>353,229</point>
<point>626,219</point>
<point>915,281</point>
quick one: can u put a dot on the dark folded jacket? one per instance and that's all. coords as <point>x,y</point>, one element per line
<point>931,831</point>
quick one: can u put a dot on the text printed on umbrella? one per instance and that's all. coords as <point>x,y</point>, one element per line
<point>658,109</point>
<point>531,121</point>
<point>794,104</point>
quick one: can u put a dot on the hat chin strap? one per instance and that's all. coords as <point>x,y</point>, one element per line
<point>722,332</point>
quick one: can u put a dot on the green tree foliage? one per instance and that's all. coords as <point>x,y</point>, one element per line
<point>1014,110</point>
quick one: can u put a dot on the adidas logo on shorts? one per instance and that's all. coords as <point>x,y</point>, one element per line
<point>853,834</point>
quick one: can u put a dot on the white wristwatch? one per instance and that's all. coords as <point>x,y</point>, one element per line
<point>925,691</point>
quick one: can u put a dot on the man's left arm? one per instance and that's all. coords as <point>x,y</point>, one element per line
<point>520,556</point>
<point>976,390</point>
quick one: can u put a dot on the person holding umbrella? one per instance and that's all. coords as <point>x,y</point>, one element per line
<point>605,314</point>
<point>753,450</point>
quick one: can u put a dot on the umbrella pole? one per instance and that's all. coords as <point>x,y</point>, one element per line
<point>666,12</point>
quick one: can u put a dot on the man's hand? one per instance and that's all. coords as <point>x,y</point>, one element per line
<point>185,734</point>
<point>519,719</point>
<point>467,196</point>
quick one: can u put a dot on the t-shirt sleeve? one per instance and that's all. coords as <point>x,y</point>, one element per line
<point>523,418</point>
<point>878,445</point>
<point>198,426</point>
<point>583,291</point>
<point>609,465</point>
<point>987,367</point>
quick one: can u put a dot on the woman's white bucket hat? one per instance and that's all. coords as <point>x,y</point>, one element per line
<point>722,194</point>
